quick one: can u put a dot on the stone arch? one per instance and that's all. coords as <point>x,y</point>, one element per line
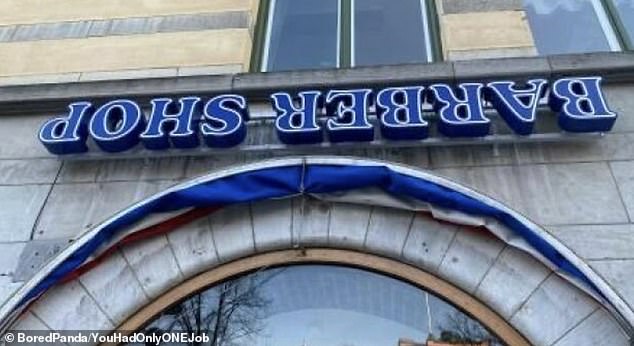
<point>514,283</point>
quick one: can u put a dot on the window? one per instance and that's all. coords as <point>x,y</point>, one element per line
<point>314,304</point>
<point>308,34</point>
<point>303,35</point>
<point>580,26</point>
<point>624,13</point>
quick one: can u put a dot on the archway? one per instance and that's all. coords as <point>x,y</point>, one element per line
<point>322,183</point>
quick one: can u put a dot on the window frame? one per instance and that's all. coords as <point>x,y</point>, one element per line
<point>345,28</point>
<point>605,18</point>
<point>349,258</point>
<point>626,39</point>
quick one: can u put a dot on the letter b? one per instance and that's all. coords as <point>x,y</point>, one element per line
<point>581,105</point>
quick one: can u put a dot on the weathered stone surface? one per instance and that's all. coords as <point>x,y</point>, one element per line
<point>74,208</point>
<point>618,273</point>
<point>469,258</point>
<point>81,312</point>
<point>133,26</point>
<point>555,297</point>
<point>171,168</point>
<point>194,247</point>
<point>32,11</point>
<point>618,146</point>
<point>518,69</point>
<point>29,322</point>
<point>598,242</point>
<point>466,6</point>
<point>348,225</point>
<point>556,194</point>
<point>7,288</point>
<point>485,30</point>
<point>209,70</point>
<point>115,288</point>
<point>196,48</point>
<point>9,257</point>
<point>233,232</point>
<point>99,28</point>
<point>128,74</point>
<point>204,21</point>
<point>35,255</point>
<point>6,32</point>
<point>490,53</point>
<point>20,208</point>
<point>600,329</point>
<point>154,265</point>
<point>513,277</point>
<point>613,66</point>
<point>51,31</point>
<point>620,101</point>
<point>199,166</point>
<point>471,155</point>
<point>41,79</point>
<point>610,147</point>
<point>624,175</point>
<point>310,221</point>
<point>19,137</point>
<point>22,172</point>
<point>272,222</point>
<point>258,83</point>
<point>388,230</point>
<point>428,242</point>
<point>417,157</point>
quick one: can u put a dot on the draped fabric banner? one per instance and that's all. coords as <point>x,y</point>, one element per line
<point>325,177</point>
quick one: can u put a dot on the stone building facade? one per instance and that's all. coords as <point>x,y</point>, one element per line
<point>578,189</point>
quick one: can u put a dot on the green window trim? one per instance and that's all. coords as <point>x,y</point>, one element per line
<point>626,40</point>
<point>345,34</point>
<point>259,35</point>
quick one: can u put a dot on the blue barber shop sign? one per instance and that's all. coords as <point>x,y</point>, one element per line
<point>341,115</point>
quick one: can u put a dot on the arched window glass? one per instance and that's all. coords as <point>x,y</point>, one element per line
<point>320,305</point>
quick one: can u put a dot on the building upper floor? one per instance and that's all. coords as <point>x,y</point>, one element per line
<point>87,40</point>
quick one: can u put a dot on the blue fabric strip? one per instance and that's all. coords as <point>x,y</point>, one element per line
<point>286,181</point>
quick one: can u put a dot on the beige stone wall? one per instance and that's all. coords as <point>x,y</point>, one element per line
<point>493,30</point>
<point>182,49</point>
<point>53,11</point>
<point>139,37</point>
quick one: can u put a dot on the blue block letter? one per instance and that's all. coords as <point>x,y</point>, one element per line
<point>400,111</point>
<point>517,107</point>
<point>460,116</point>
<point>179,125</point>
<point>67,135</point>
<point>348,116</point>
<point>581,105</point>
<point>225,118</point>
<point>116,125</point>
<point>297,125</point>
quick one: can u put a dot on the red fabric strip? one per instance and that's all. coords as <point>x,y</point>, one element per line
<point>143,234</point>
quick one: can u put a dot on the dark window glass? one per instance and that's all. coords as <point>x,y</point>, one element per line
<point>303,35</point>
<point>568,26</point>
<point>625,11</point>
<point>389,32</point>
<point>317,305</point>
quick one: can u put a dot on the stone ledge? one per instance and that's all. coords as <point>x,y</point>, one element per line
<point>616,67</point>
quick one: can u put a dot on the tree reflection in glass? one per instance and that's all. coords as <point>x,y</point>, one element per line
<point>320,305</point>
